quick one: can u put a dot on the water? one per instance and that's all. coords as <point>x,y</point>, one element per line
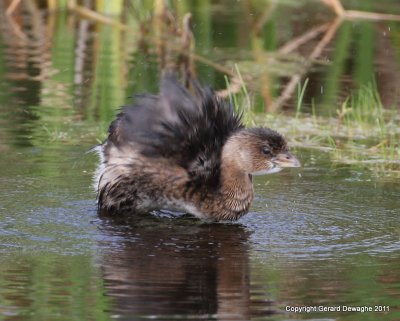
<point>324,235</point>
<point>328,237</point>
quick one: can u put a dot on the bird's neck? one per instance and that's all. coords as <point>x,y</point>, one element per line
<point>234,180</point>
<point>236,183</point>
<point>233,156</point>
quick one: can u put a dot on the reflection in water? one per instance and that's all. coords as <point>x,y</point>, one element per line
<point>178,267</point>
<point>95,67</point>
<point>47,286</point>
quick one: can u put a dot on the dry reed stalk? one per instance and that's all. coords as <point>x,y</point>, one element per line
<point>208,62</point>
<point>353,14</point>
<point>11,8</point>
<point>304,38</point>
<point>335,5</point>
<point>93,15</point>
<point>235,85</point>
<point>16,29</point>
<point>14,25</point>
<point>295,79</point>
<point>330,33</point>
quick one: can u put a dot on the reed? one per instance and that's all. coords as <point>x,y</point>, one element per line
<point>135,40</point>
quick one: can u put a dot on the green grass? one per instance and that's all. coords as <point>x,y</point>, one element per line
<point>300,96</point>
<point>241,100</point>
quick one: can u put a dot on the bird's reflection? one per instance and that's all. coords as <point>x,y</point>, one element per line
<point>176,267</point>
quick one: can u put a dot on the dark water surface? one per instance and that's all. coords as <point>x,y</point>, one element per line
<point>322,235</point>
<point>319,236</point>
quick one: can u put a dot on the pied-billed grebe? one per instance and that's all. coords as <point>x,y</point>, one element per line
<point>186,152</point>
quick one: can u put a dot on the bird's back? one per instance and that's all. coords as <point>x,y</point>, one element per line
<point>186,128</point>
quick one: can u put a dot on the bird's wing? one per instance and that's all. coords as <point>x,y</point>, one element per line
<point>188,129</point>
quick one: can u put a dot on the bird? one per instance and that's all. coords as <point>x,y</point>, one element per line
<point>184,150</point>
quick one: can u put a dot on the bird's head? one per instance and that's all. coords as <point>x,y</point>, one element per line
<point>259,151</point>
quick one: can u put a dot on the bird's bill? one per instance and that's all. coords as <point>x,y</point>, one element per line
<point>286,160</point>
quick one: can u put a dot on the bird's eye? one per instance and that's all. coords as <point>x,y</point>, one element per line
<point>266,151</point>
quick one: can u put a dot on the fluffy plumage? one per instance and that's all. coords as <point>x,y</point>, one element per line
<point>186,151</point>
<point>187,129</point>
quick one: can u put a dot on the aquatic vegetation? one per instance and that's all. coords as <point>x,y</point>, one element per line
<point>362,133</point>
<point>379,153</point>
<point>136,40</point>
